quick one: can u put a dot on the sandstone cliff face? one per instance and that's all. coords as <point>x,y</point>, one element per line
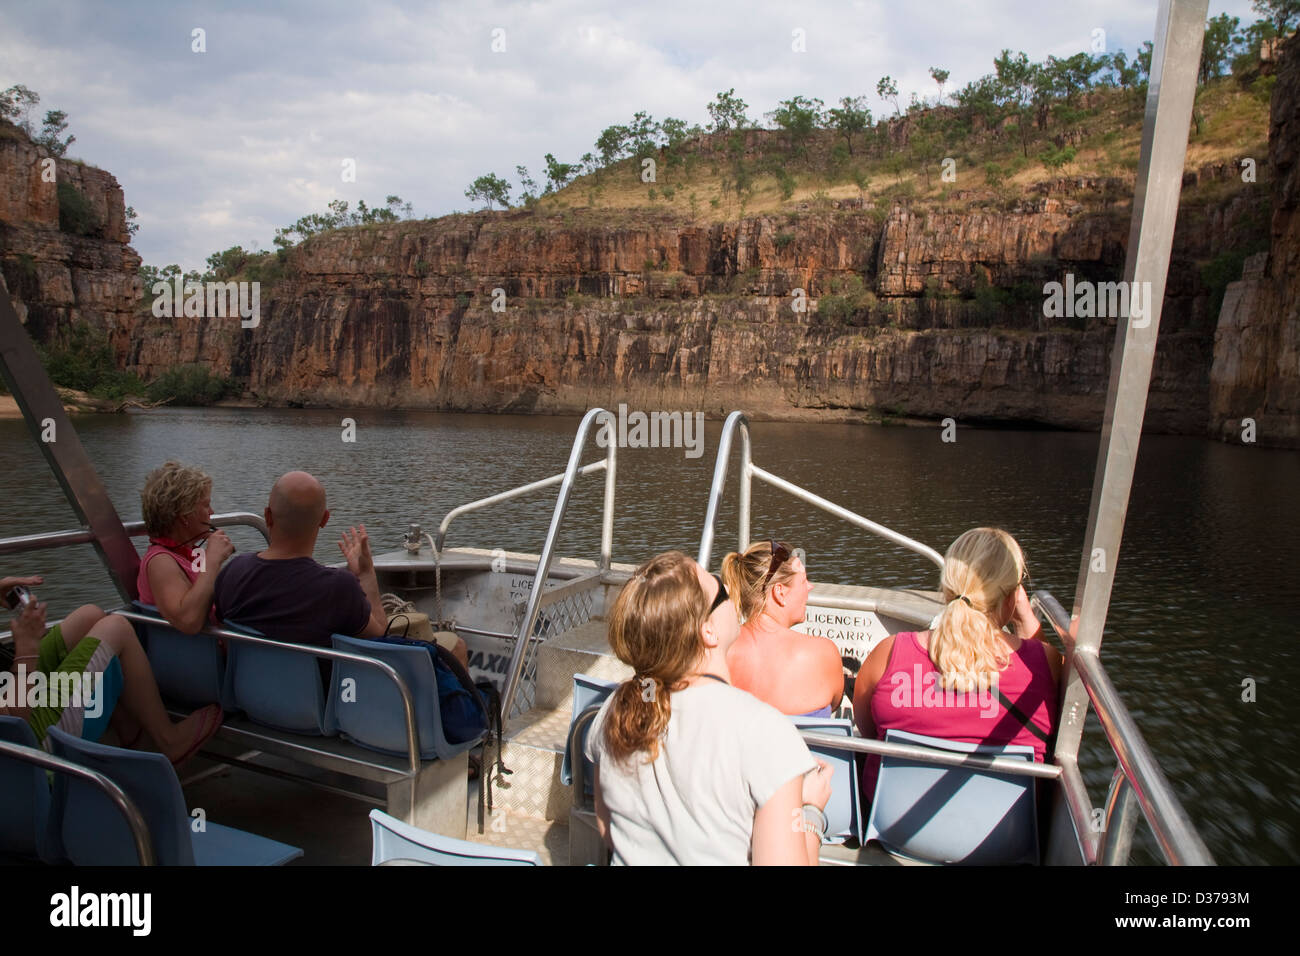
<point>666,314</point>
<point>1256,369</point>
<point>57,279</point>
<point>914,312</point>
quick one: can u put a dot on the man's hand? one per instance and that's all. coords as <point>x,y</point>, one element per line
<point>355,545</point>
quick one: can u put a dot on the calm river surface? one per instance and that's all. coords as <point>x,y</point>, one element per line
<point>1207,592</point>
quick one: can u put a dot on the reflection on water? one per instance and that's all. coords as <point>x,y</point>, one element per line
<point>1205,596</point>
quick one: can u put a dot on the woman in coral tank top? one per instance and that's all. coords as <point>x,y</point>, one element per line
<point>957,680</point>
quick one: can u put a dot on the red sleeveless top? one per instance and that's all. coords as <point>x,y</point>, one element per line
<point>909,697</point>
<point>158,546</point>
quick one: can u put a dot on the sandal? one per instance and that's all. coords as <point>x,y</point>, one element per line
<point>209,724</point>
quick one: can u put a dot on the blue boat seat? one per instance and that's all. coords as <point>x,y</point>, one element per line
<point>92,832</point>
<point>24,798</point>
<point>368,711</point>
<point>937,814</point>
<point>190,668</point>
<point>844,809</point>
<point>279,688</point>
<point>398,842</point>
<point>587,690</point>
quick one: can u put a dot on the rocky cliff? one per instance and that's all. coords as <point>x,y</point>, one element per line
<point>831,311</point>
<point>57,277</point>
<point>1256,370</point>
<point>830,314</point>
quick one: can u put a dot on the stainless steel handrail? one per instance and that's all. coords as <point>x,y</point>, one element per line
<point>865,745</point>
<point>440,536</point>
<point>1172,828</point>
<point>126,806</point>
<point>737,421</point>
<point>515,672</point>
<point>412,731</point>
<point>59,539</point>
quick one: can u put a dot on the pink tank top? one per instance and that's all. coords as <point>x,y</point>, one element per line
<point>909,697</point>
<point>156,547</point>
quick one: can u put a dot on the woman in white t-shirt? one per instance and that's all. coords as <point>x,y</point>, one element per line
<point>690,770</point>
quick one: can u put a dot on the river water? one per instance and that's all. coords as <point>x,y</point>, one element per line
<point>1206,597</point>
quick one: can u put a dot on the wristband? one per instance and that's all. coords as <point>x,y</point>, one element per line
<point>819,824</point>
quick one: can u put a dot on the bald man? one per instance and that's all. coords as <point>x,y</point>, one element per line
<point>284,593</point>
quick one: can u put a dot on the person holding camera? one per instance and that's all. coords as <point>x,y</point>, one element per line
<point>101,656</point>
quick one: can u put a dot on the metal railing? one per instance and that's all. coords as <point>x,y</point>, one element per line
<point>125,805</point>
<point>737,422</point>
<point>1138,775</point>
<point>606,544</point>
<point>408,704</point>
<point>58,539</point>
<point>571,473</point>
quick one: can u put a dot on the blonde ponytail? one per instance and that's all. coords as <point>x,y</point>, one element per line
<point>981,568</point>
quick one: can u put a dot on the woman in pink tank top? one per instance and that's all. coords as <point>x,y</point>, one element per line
<point>968,679</point>
<point>176,575</point>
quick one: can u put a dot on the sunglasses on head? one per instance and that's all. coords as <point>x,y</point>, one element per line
<point>780,555</point>
<point>721,596</point>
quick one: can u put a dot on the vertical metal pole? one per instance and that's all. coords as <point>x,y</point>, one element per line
<point>607,520</point>
<point>524,635</point>
<point>746,484</point>
<point>58,442</point>
<point>734,420</point>
<point>1180,27</point>
<point>1117,838</point>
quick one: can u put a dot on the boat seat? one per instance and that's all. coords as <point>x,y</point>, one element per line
<point>279,688</point>
<point>395,843</point>
<point>92,833</point>
<point>24,798</point>
<point>844,809</point>
<point>588,691</point>
<point>370,712</point>
<point>190,668</point>
<point>935,814</point>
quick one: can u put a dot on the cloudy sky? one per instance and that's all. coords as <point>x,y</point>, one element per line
<point>220,147</point>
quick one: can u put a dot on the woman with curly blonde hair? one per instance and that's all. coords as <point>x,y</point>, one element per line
<point>177,508</point>
<point>689,769</point>
<point>968,679</point>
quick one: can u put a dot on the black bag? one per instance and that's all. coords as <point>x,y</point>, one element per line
<point>464,714</point>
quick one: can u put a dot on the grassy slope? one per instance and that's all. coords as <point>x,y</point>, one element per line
<point>1235,125</point>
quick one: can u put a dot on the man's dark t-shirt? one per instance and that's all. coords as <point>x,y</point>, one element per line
<point>293,599</point>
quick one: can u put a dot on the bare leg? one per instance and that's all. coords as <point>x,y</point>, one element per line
<point>140,698</point>
<point>78,624</point>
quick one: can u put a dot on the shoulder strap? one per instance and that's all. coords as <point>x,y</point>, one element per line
<point>1017,713</point>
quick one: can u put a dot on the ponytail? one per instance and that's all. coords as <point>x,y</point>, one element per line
<point>654,628</point>
<point>981,568</point>
<point>744,575</point>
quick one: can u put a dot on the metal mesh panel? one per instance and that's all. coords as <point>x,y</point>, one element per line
<point>571,611</point>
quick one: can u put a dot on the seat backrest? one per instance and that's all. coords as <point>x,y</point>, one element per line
<point>275,687</point>
<point>587,690</point>
<point>394,840</point>
<point>92,831</point>
<point>365,706</point>
<point>843,810</point>
<point>940,814</point>
<point>24,798</point>
<point>189,668</point>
